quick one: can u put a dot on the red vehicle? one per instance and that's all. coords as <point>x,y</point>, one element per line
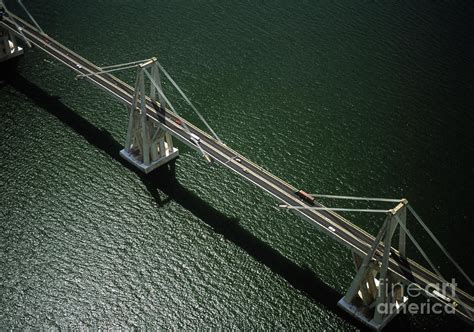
<point>178,121</point>
<point>305,197</point>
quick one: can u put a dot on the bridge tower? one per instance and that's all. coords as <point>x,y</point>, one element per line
<point>147,145</point>
<point>376,295</point>
<point>8,44</point>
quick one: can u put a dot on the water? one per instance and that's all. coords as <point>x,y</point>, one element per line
<point>372,98</point>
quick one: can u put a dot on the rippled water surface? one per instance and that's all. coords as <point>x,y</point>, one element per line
<point>365,98</point>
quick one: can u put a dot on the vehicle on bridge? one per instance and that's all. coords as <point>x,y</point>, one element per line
<point>194,138</point>
<point>305,197</point>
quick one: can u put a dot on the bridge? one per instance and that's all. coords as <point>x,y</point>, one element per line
<point>383,270</point>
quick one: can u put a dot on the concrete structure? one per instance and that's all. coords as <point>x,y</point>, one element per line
<point>8,46</point>
<point>374,286</point>
<point>147,145</point>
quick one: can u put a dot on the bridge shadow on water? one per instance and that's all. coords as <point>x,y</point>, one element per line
<point>164,180</point>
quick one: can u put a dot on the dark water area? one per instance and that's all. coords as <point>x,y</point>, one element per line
<point>340,97</point>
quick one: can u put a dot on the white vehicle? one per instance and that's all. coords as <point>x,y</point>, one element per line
<point>237,159</point>
<point>78,66</point>
<point>195,138</point>
<point>332,229</point>
<point>245,170</point>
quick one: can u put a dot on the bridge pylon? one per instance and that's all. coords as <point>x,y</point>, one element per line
<point>376,295</point>
<point>147,145</point>
<point>8,45</point>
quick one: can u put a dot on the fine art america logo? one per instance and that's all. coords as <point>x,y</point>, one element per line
<point>442,295</point>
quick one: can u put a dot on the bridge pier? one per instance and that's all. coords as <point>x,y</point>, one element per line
<point>376,295</point>
<point>8,45</point>
<point>148,146</point>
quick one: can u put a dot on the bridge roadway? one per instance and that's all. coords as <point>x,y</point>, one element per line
<point>329,222</point>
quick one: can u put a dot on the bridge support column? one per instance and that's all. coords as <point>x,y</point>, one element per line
<point>376,295</point>
<point>147,145</point>
<point>8,45</point>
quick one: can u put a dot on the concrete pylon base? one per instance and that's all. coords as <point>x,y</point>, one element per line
<point>9,48</point>
<point>136,160</point>
<point>14,52</point>
<point>365,315</point>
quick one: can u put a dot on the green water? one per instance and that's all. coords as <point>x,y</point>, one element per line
<point>365,98</point>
